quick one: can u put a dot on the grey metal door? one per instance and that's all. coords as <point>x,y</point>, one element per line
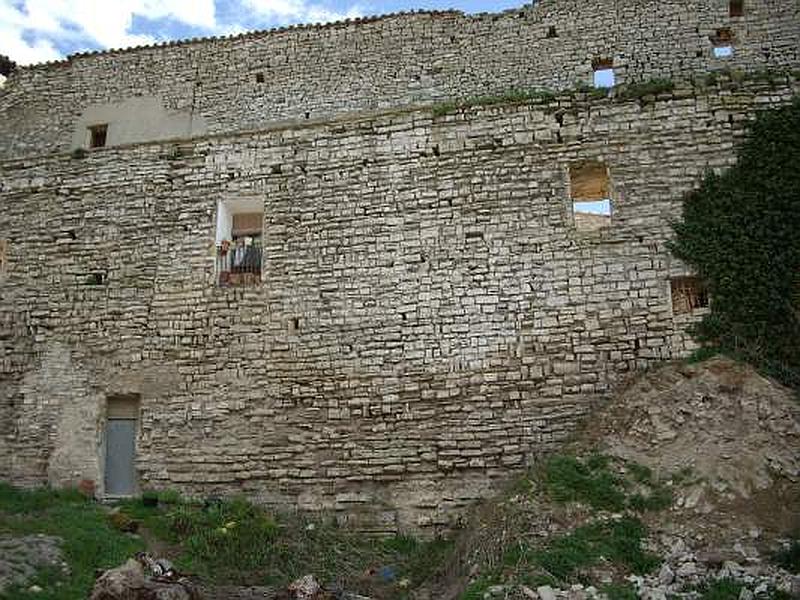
<point>120,452</point>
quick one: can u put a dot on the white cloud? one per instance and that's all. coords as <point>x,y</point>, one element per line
<point>300,10</point>
<point>106,23</point>
<point>32,30</point>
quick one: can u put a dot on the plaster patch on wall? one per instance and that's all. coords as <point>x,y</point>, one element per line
<point>134,120</point>
<point>64,412</point>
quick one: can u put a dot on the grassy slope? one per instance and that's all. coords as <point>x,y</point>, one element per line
<point>230,542</point>
<point>89,541</point>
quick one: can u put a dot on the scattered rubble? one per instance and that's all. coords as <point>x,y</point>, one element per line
<point>719,422</point>
<point>21,557</point>
<point>144,578</point>
<point>722,439</point>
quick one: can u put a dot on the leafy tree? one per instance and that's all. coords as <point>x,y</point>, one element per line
<point>741,233</point>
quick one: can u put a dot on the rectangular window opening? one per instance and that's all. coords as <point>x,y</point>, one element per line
<point>239,243</point>
<point>723,51</point>
<point>98,135</point>
<point>590,191</point>
<point>592,215</point>
<point>259,78</point>
<point>736,8</point>
<point>603,73</point>
<point>688,294</point>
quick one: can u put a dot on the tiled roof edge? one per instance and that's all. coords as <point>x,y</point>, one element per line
<point>259,33</point>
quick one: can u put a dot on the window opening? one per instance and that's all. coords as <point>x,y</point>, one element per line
<point>239,243</point>
<point>590,190</point>
<point>259,78</point>
<point>3,256</point>
<point>688,294</point>
<point>723,51</point>
<point>96,278</point>
<point>603,73</point>
<point>736,8</point>
<point>551,32</point>
<point>722,40</point>
<point>98,135</point>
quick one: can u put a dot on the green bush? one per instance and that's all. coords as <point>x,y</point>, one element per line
<point>741,233</point>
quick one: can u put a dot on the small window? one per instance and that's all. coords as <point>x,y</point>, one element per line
<point>723,51</point>
<point>259,78</point>
<point>551,32</point>
<point>590,190</point>
<point>96,278</point>
<point>722,40</point>
<point>98,135</point>
<point>736,8</point>
<point>603,73</point>
<point>688,294</point>
<point>239,243</point>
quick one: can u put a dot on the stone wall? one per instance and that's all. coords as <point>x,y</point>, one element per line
<point>315,72</point>
<point>429,318</point>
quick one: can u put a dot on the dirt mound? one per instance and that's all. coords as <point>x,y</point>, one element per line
<point>719,423</point>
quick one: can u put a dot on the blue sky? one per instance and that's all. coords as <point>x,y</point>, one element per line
<point>34,31</point>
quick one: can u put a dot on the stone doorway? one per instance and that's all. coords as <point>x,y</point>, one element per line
<point>120,450</point>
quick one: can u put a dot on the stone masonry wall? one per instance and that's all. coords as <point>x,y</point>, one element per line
<point>315,72</point>
<point>429,318</point>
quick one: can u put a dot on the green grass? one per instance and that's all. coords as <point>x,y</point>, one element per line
<point>226,542</point>
<point>652,87</point>
<point>721,589</point>
<point>513,96</point>
<point>616,541</point>
<point>233,541</point>
<point>702,354</point>
<point>89,540</point>
<point>562,558</point>
<point>619,591</point>
<point>477,588</point>
<point>789,558</point>
<point>593,481</point>
<point>570,479</point>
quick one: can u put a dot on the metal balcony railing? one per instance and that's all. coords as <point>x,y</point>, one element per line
<point>239,264</point>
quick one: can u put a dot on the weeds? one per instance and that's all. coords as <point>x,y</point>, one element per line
<point>477,588</point>
<point>702,354</point>
<point>618,591</point>
<point>591,481</point>
<point>721,589</point>
<point>789,557</point>
<point>228,541</point>
<point>616,541</point>
<point>652,87</point>
<point>568,479</point>
<point>90,542</point>
<point>513,96</point>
